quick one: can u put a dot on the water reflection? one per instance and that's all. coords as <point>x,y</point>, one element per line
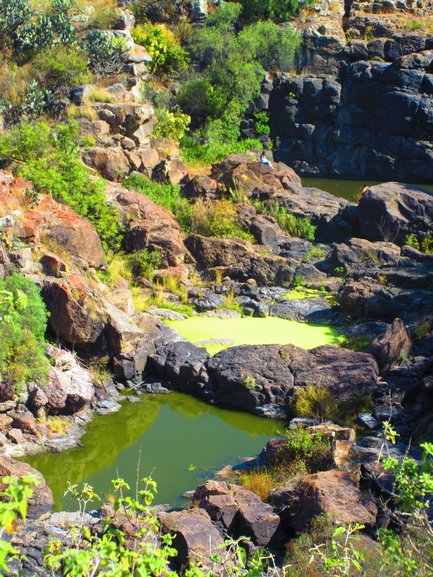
<point>167,433</point>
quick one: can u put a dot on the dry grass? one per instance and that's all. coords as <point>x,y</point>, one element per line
<point>99,94</point>
<point>259,482</point>
<point>83,111</point>
<point>118,269</point>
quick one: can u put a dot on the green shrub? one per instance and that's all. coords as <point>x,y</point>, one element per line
<point>171,124</point>
<point>422,242</point>
<point>310,452</point>
<point>217,218</point>
<point>23,318</point>
<point>144,263</point>
<point>168,56</point>
<point>50,158</point>
<point>14,499</point>
<point>230,67</point>
<point>262,123</point>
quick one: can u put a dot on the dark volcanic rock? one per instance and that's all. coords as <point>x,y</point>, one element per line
<point>182,364</point>
<point>239,511</point>
<point>263,378</point>
<point>360,120</point>
<point>391,211</point>
<point>311,310</point>
<point>196,538</point>
<point>392,346</point>
<point>328,492</point>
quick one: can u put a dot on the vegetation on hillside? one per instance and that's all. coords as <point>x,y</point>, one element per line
<point>50,158</point>
<point>23,318</point>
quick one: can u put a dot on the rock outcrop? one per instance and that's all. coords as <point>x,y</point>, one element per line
<point>42,499</point>
<point>328,492</point>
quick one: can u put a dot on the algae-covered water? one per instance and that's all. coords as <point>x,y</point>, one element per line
<point>177,439</point>
<point>349,189</point>
<point>216,334</point>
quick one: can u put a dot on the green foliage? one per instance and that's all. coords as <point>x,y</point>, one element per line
<point>216,219</point>
<point>292,225</point>
<point>106,52</point>
<point>279,10</point>
<point>320,403</point>
<point>168,56</point>
<point>230,66</point>
<point>50,158</point>
<point>262,123</point>
<point>41,30</point>
<point>171,124</point>
<point>305,451</point>
<point>206,150</point>
<point>424,243</point>
<point>23,318</point>
<point>13,506</point>
<point>144,263</point>
<point>61,65</point>
<point>109,552</point>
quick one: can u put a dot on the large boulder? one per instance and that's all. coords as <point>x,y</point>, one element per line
<point>263,378</point>
<point>392,346</point>
<point>182,364</point>
<point>329,492</point>
<point>149,226</point>
<point>69,387</point>
<point>42,499</point>
<point>77,314</point>
<point>238,511</point>
<point>48,222</point>
<point>392,210</point>
<point>239,260</point>
<point>195,536</point>
<point>111,163</point>
<point>244,172</point>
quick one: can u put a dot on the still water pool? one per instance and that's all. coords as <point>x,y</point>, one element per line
<point>348,189</point>
<point>177,439</point>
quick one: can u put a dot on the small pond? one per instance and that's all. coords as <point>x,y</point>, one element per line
<point>216,334</point>
<point>348,189</point>
<point>177,439</point>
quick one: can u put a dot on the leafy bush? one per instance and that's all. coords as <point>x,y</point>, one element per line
<point>171,124</point>
<point>262,123</point>
<point>306,451</point>
<point>216,219</point>
<point>23,318</point>
<point>168,56</point>
<point>204,151</point>
<point>144,263</point>
<point>424,243</point>
<point>13,506</point>
<point>230,66</point>
<point>50,158</point>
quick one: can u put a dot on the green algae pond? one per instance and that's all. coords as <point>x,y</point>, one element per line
<point>216,334</point>
<point>175,438</point>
